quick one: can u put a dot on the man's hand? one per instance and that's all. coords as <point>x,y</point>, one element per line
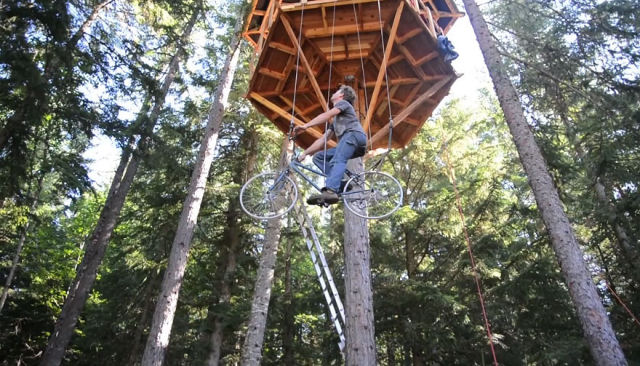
<point>301,157</point>
<point>299,129</point>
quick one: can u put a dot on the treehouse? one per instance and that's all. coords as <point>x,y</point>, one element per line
<point>386,50</point>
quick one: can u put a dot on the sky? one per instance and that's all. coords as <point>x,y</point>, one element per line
<point>104,155</point>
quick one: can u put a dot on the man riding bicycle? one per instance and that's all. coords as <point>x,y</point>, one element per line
<point>352,142</point>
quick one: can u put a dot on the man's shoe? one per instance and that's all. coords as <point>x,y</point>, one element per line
<point>329,197</point>
<point>326,197</point>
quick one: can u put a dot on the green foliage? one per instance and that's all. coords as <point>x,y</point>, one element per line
<point>573,63</point>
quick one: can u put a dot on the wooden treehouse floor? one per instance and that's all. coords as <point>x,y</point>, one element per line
<point>341,43</point>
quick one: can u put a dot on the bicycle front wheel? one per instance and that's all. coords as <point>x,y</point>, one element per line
<point>268,195</point>
<point>372,195</point>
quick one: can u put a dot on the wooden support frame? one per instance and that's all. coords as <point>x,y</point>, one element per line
<point>383,67</point>
<point>305,62</point>
<point>409,109</point>
<point>284,114</point>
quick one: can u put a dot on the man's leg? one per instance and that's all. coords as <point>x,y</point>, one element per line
<point>322,159</point>
<point>344,151</point>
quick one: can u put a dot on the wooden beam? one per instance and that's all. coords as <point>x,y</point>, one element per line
<point>319,4</point>
<point>271,73</point>
<point>408,110</point>
<point>282,113</point>
<point>282,47</point>
<point>299,112</point>
<point>426,58</point>
<point>305,62</point>
<point>400,81</point>
<point>410,34</point>
<point>339,30</point>
<point>383,67</point>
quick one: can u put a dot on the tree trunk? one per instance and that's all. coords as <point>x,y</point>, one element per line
<point>602,341</point>
<point>252,348</point>
<point>134,355</point>
<point>288,321</point>
<point>97,243</point>
<point>624,243</point>
<point>14,265</point>
<point>360,347</point>
<point>158,340</point>
<point>232,237</point>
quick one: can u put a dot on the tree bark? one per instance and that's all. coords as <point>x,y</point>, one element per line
<point>97,243</point>
<point>14,265</point>
<point>252,348</point>
<point>134,355</point>
<point>600,336</point>
<point>158,340</point>
<point>231,236</point>
<point>360,349</point>
<point>288,321</point>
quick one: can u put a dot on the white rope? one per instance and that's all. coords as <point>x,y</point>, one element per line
<point>386,78</point>
<point>326,123</point>
<point>295,84</point>
<point>364,78</point>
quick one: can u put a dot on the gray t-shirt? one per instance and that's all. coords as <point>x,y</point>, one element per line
<point>346,120</point>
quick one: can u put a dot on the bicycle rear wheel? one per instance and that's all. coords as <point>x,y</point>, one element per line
<point>372,195</point>
<point>268,195</point>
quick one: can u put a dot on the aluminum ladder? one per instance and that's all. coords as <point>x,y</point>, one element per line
<point>322,271</point>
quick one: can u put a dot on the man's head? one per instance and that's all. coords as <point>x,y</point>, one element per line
<point>344,92</point>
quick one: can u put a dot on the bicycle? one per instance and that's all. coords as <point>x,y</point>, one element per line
<point>370,194</point>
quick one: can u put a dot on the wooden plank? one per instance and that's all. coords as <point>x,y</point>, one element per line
<point>271,73</point>
<point>410,34</point>
<point>339,30</point>
<point>282,47</point>
<point>426,58</point>
<point>383,66</point>
<point>399,81</point>
<point>282,113</point>
<point>291,62</point>
<point>324,17</point>
<point>320,3</point>
<point>409,109</point>
<point>299,112</point>
<point>305,62</point>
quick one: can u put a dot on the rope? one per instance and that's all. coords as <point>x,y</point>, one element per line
<point>364,78</point>
<point>626,308</point>
<point>473,262</point>
<point>326,123</point>
<point>295,84</point>
<point>386,81</point>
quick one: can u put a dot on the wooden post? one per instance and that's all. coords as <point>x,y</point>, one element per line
<point>360,347</point>
<point>383,67</point>
<point>305,63</point>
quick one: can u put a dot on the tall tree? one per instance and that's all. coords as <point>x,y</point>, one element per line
<point>597,328</point>
<point>99,239</point>
<point>158,339</point>
<point>254,339</point>
<point>360,348</point>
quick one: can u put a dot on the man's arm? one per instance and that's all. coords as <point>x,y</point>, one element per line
<point>316,146</point>
<point>319,119</point>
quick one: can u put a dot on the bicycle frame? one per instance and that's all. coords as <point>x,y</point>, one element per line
<point>299,168</point>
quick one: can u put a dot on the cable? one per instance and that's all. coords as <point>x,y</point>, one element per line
<point>473,262</point>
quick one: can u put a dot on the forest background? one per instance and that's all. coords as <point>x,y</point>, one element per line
<point>73,70</point>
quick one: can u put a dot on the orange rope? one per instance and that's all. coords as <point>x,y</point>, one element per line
<point>621,302</point>
<point>473,262</point>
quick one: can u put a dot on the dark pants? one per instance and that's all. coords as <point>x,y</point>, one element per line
<point>351,145</point>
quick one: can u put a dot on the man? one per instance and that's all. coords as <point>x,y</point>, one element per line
<point>352,143</point>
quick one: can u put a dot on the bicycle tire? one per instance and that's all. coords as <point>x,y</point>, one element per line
<point>380,197</point>
<point>259,200</point>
